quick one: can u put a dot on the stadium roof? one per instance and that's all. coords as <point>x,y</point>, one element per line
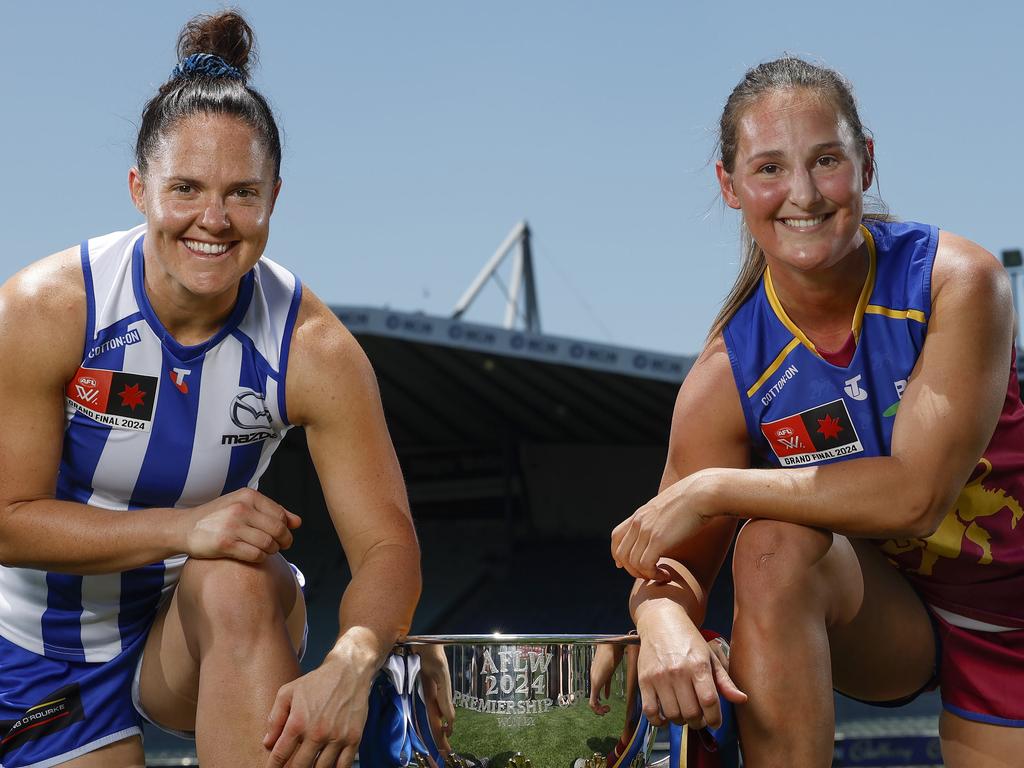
<point>450,382</point>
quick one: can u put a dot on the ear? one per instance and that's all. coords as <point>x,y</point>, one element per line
<point>137,189</point>
<point>725,182</point>
<point>869,163</point>
<point>275,193</point>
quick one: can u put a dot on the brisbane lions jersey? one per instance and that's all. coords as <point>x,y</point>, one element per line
<point>803,410</point>
<point>152,423</point>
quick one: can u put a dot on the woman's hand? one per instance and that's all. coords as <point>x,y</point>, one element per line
<point>437,690</point>
<point>606,660</point>
<point>243,525</point>
<point>681,675</point>
<point>318,719</point>
<point>659,526</point>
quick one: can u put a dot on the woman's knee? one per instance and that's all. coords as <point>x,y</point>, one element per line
<point>235,594</point>
<point>775,560</point>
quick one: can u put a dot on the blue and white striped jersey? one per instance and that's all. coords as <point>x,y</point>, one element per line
<point>152,423</point>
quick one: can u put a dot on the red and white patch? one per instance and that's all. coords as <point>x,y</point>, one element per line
<point>817,434</point>
<point>118,399</point>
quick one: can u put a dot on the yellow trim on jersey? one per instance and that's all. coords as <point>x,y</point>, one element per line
<point>46,704</point>
<point>897,314</point>
<point>858,315</point>
<point>618,763</point>
<point>776,363</point>
<point>869,283</point>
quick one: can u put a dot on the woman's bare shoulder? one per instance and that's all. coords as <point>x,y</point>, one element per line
<point>708,426</point>
<point>962,265</point>
<point>43,311</point>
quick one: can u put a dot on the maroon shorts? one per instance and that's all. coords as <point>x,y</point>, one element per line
<point>981,674</point>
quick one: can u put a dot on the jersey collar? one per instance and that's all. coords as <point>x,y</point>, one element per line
<point>858,315</point>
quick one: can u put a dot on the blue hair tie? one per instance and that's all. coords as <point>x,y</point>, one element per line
<point>205,65</point>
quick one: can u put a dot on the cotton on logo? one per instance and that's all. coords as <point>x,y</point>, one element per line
<point>853,390</point>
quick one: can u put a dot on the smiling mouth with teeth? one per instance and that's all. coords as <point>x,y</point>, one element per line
<point>210,249</point>
<point>805,223</point>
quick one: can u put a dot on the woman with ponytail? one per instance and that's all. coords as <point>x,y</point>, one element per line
<point>142,574</point>
<point>857,405</point>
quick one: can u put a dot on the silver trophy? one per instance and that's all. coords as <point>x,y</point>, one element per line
<point>524,701</point>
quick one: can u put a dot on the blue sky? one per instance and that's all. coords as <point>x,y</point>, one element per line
<point>417,134</point>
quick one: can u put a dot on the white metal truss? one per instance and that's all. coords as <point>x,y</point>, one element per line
<point>523,281</point>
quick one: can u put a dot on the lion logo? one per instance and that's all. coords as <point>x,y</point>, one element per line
<point>961,523</point>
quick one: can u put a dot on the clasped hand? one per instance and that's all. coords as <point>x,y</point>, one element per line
<point>319,718</point>
<point>656,528</point>
<point>242,525</point>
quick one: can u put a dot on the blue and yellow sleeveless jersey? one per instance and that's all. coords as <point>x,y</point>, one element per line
<point>803,410</point>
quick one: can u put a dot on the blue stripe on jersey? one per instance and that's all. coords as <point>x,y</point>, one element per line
<point>252,375</point>
<point>90,297</point>
<point>60,628</point>
<point>141,589</point>
<point>180,351</point>
<point>165,466</point>
<point>286,344</point>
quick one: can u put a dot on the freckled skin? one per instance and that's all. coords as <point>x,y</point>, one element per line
<point>211,180</point>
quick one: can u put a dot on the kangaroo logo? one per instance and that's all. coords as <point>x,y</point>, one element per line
<point>249,411</point>
<point>961,523</point>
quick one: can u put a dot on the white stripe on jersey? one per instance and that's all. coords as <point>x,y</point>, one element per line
<point>98,642</point>
<point>122,457</point>
<point>209,460</point>
<point>22,602</point>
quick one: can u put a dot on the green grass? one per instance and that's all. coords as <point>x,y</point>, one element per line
<point>553,739</point>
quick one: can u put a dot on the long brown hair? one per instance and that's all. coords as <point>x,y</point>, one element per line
<point>787,72</point>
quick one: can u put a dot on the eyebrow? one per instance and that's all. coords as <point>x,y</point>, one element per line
<point>769,154</point>
<point>197,183</point>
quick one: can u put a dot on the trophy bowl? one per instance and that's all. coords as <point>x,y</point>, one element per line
<point>523,701</point>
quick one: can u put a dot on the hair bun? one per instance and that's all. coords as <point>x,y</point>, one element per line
<point>226,34</point>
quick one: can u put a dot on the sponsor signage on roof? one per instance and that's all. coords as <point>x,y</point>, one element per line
<point>449,332</point>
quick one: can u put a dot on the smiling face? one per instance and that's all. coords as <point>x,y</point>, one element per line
<point>207,196</point>
<point>798,176</point>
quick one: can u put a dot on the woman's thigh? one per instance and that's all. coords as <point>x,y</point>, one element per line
<point>169,675</point>
<point>885,649</point>
<point>126,753</point>
<point>969,744</point>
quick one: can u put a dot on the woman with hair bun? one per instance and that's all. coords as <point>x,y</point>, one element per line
<point>142,573</point>
<point>857,404</point>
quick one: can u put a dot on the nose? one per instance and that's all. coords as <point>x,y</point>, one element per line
<point>803,190</point>
<point>215,215</point>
